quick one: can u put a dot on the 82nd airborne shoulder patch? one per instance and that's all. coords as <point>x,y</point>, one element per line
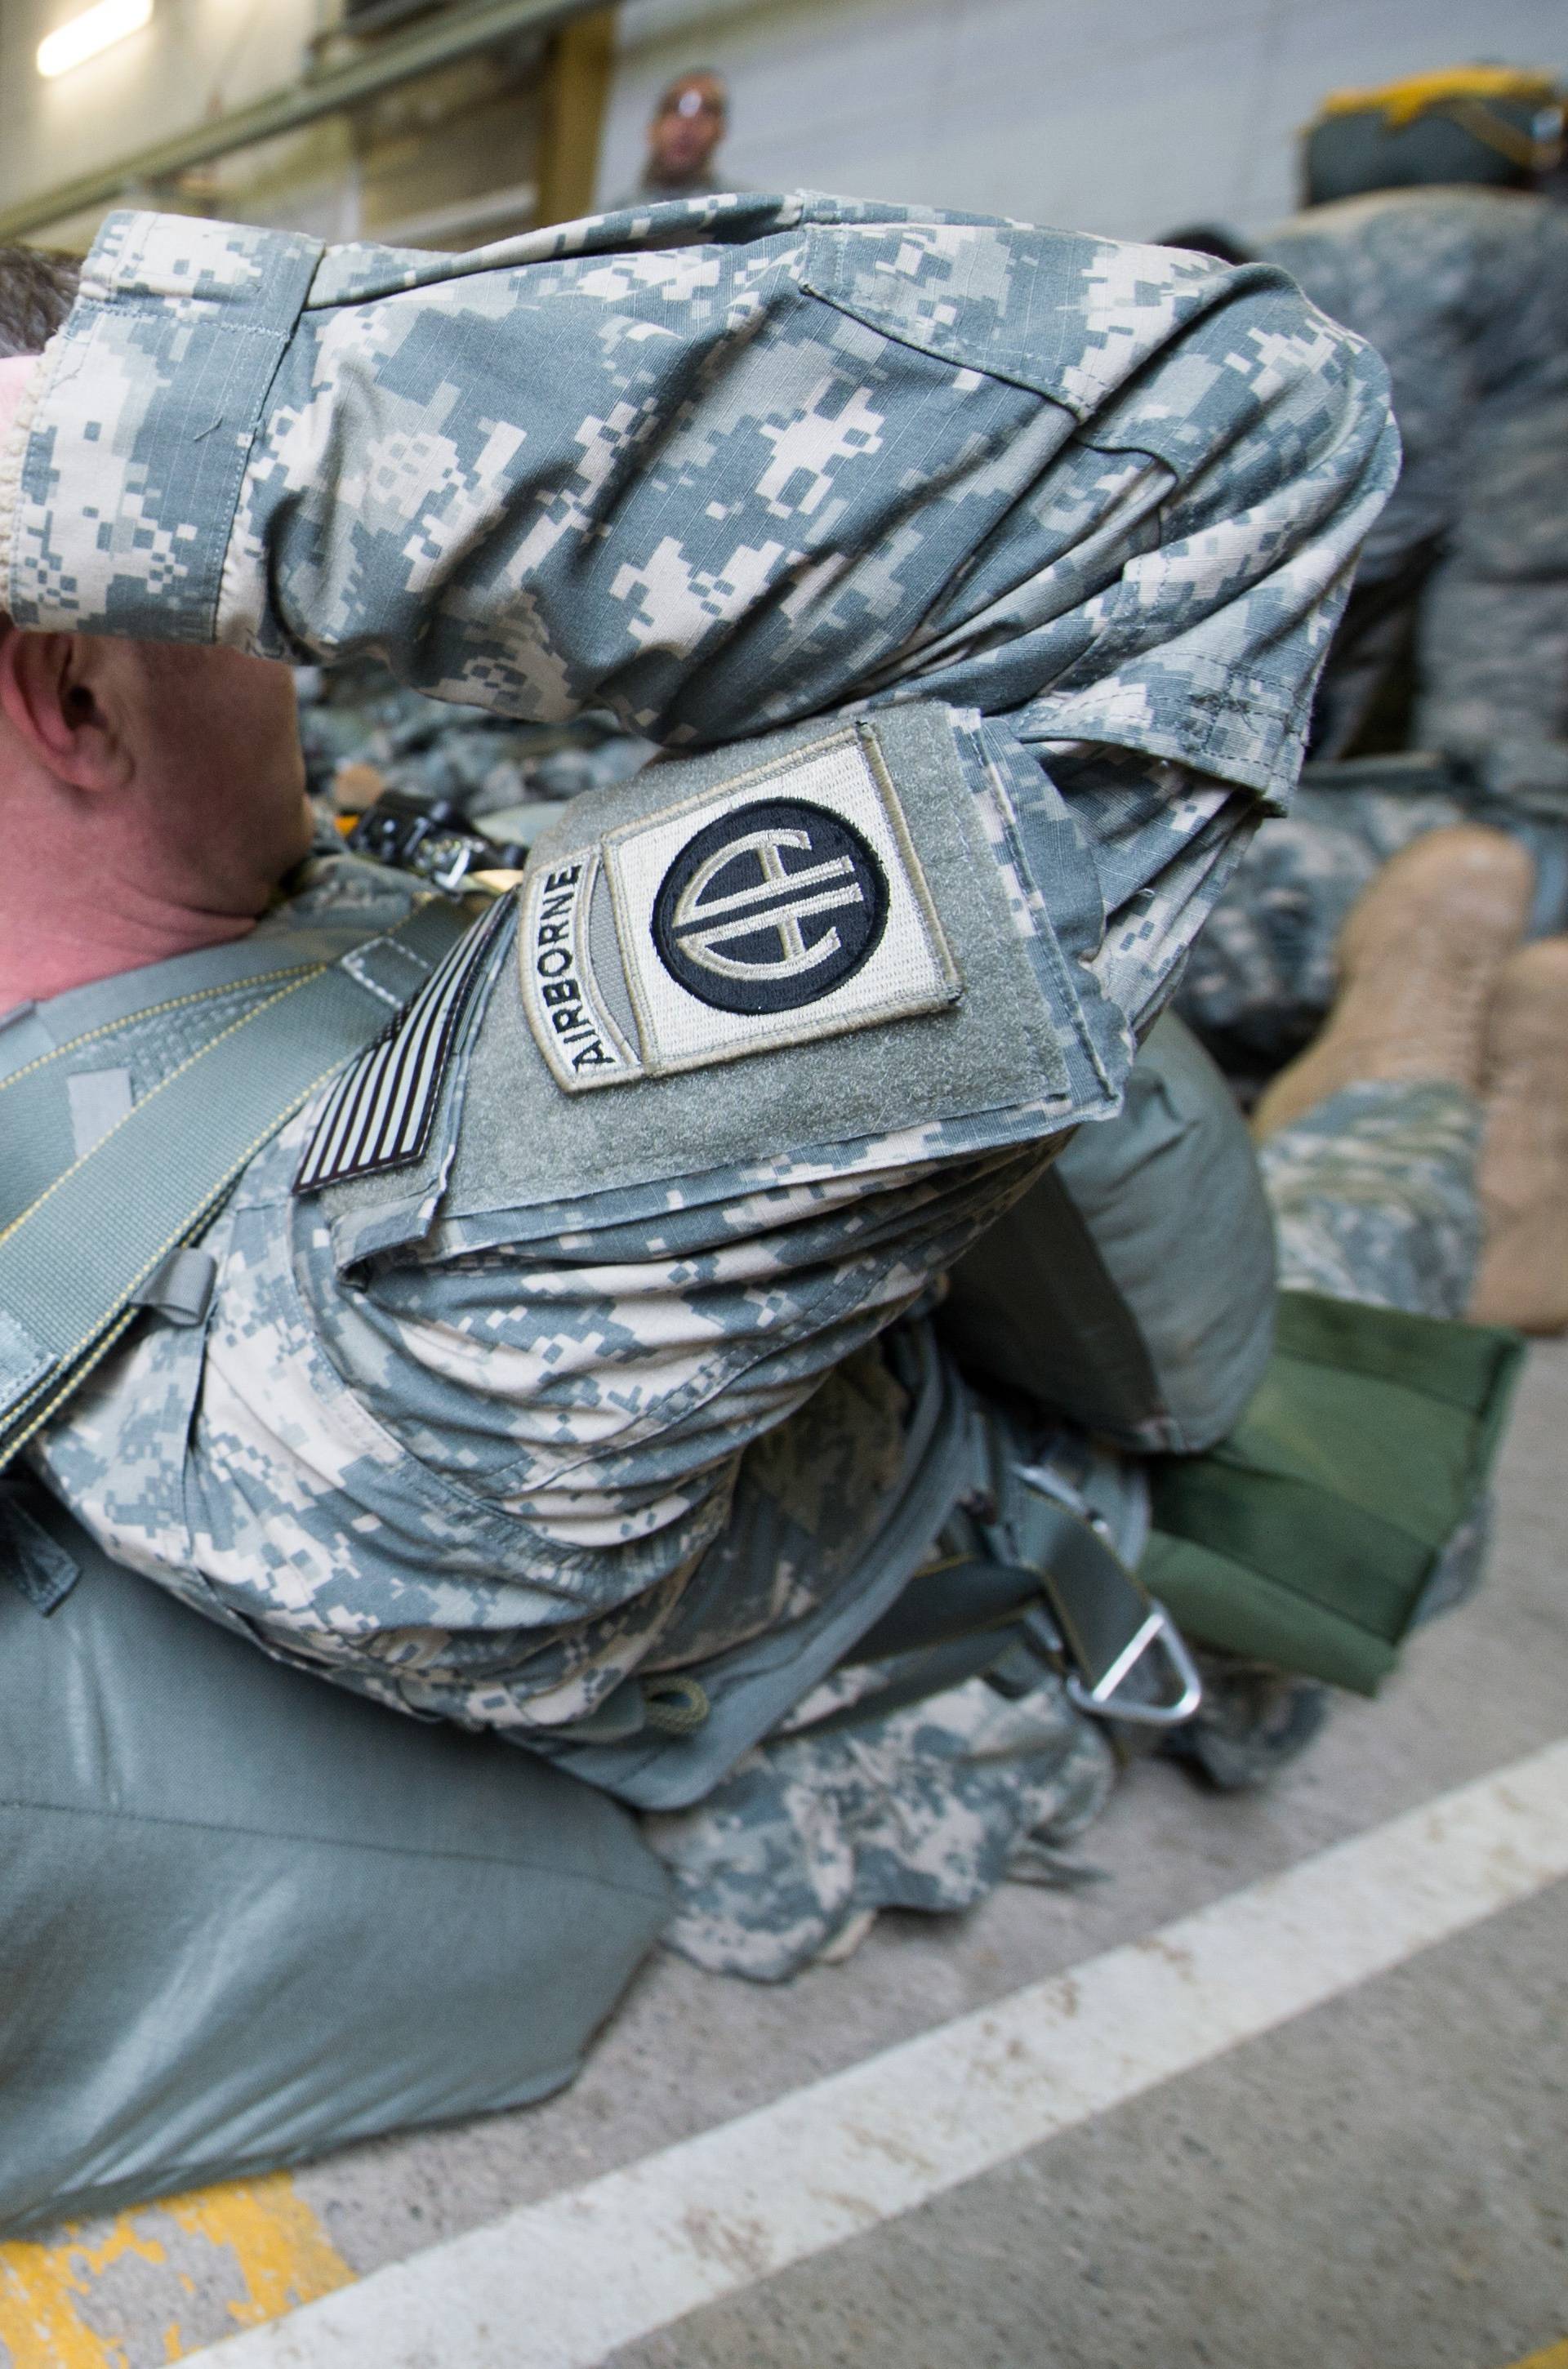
<point>784,906</point>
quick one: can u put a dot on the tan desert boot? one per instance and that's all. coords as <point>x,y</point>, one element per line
<point>1420,953</point>
<point>1524,1151</point>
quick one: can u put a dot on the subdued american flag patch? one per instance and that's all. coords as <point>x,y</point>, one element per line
<point>380,1112</point>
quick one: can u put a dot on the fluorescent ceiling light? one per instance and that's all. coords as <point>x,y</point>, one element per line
<point>82,37</point>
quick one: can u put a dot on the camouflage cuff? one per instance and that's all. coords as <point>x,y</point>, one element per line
<point>13,450</point>
<point>133,467</point>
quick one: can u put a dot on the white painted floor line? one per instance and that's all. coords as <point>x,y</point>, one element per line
<point>560,2285</point>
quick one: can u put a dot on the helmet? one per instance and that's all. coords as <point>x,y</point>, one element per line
<point>1501,126</point>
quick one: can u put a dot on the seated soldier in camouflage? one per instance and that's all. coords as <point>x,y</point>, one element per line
<point>1433,226</point>
<point>561,1369</point>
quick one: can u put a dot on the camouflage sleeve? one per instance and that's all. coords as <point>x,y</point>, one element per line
<point>483,1488</point>
<point>720,465</point>
<point>716,468</point>
<point>1494,630</point>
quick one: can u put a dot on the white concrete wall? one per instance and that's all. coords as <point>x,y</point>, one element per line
<point>1126,116</point>
<point>160,80</point>
<point>1122,115</point>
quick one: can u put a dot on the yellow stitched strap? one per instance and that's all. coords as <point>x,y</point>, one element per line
<point>71,1265</point>
<point>256,982</point>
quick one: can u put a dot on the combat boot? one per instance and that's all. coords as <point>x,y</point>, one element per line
<point>1420,953</point>
<point>1523,1278</point>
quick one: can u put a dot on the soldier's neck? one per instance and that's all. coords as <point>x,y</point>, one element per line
<point>48,954</point>
<point>94,884</point>
<point>63,927</point>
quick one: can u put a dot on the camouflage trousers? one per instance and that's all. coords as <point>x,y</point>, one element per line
<point>1260,976</point>
<point>1373,1195</point>
<point>932,1805</point>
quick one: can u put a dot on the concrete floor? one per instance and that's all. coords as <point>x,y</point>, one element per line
<point>1383,2181</point>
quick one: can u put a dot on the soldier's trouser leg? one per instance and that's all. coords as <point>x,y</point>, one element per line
<point>1373,1197</point>
<point>1261,977</point>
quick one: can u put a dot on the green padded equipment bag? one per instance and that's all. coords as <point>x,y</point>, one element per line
<point>1132,1289</point>
<point>1338,1513</point>
<point>244,1919</point>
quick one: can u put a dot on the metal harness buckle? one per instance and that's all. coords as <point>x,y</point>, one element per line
<point>1107,1621</point>
<point>1160,1629</point>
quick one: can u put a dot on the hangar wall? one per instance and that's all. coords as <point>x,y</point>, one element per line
<point>1126,116</point>
<point>195,58</point>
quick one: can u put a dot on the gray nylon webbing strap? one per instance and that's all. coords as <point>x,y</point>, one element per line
<point>72,1263</point>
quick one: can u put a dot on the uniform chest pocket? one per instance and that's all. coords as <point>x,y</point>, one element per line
<point>1068,316</point>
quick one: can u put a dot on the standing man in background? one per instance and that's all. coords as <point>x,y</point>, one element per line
<point>684,137</point>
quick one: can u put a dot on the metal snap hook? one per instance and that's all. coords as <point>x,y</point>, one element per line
<point>1159,1631</point>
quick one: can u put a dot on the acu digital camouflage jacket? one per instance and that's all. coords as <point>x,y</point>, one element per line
<point>721,468</point>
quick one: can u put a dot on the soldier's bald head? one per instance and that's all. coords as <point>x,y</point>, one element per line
<point>687,123</point>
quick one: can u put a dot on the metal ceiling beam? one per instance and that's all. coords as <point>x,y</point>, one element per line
<point>400,58</point>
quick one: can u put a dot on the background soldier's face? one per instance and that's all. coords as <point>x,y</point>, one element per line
<point>687,129</point>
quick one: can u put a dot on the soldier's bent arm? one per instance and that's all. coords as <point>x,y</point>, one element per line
<point>726,466</point>
<point>1027,544</point>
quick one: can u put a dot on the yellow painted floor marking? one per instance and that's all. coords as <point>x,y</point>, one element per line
<point>1554,2357</point>
<point>285,2257</point>
<point>39,2324</point>
<point>278,2257</point>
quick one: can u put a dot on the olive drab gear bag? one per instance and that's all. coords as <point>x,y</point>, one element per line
<point>1349,1503</point>
<point>1131,1289</point>
<point>248,1918</point>
<point>1321,1487</point>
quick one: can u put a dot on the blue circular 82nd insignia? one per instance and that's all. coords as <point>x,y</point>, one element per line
<point>771,907</point>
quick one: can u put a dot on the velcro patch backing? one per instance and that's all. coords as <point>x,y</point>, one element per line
<point>380,1112</point>
<point>786,905</point>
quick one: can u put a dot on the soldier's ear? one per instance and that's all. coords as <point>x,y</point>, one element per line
<point>57,691</point>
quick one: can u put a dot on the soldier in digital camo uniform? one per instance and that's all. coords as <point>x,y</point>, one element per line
<point>1465,293</point>
<point>974,580</point>
<point>1432,230</point>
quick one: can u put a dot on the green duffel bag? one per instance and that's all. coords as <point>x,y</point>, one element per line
<point>1132,1289</point>
<point>1349,1503</point>
<point>244,1919</point>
